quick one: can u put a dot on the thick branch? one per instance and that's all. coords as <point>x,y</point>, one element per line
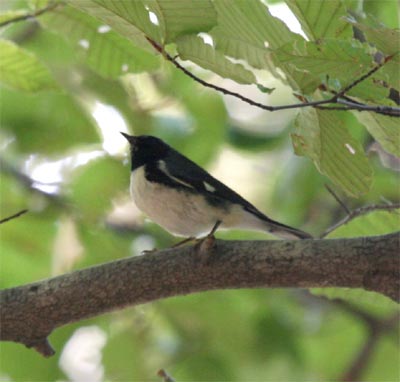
<point>31,312</point>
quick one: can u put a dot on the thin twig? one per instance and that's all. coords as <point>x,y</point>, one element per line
<point>336,197</point>
<point>382,109</point>
<point>226,91</point>
<point>387,110</point>
<point>359,212</point>
<point>31,15</point>
<point>363,77</point>
<point>18,214</point>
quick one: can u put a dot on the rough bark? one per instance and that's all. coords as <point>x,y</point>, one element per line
<point>29,313</point>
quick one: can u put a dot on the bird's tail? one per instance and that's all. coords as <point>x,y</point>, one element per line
<point>276,228</point>
<point>285,232</point>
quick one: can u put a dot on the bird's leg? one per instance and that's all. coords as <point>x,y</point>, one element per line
<point>205,244</point>
<point>187,240</point>
<point>214,229</point>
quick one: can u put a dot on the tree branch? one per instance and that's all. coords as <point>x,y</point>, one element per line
<point>335,99</point>
<point>31,312</point>
<point>359,212</point>
<point>27,16</point>
<point>14,216</point>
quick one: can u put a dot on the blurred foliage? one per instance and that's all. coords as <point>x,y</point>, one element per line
<point>81,73</point>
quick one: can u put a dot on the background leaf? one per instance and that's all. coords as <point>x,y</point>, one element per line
<point>322,19</point>
<point>130,19</point>
<point>246,29</point>
<point>22,70</point>
<point>194,49</point>
<point>343,61</point>
<point>181,17</point>
<point>321,136</point>
<point>384,129</point>
<point>108,53</point>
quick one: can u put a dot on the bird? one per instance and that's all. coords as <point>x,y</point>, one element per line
<point>186,200</point>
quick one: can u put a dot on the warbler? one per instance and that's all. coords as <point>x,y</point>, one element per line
<point>186,200</point>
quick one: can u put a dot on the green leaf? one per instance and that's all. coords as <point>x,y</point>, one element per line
<point>321,19</point>
<point>342,60</point>
<point>92,191</point>
<point>180,17</point>
<point>321,136</point>
<point>107,52</point>
<point>264,89</point>
<point>194,49</point>
<point>30,250</point>
<point>46,123</point>
<point>245,30</point>
<point>384,129</point>
<point>370,224</point>
<point>22,70</point>
<point>129,18</point>
<point>387,41</point>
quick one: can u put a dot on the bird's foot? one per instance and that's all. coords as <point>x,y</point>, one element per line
<point>205,249</point>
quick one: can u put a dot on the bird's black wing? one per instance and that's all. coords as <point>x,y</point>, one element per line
<point>182,169</point>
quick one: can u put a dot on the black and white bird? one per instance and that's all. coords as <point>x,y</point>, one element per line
<point>186,200</point>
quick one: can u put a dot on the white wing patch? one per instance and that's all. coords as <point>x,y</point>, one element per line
<point>208,187</point>
<point>163,167</point>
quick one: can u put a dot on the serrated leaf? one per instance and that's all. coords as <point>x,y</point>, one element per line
<point>194,49</point>
<point>342,60</point>
<point>321,19</point>
<point>91,190</point>
<point>384,129</point>
<point>21,69</point>
<point>106,51</point>
<point>180,17</point>
<point>130,19</point>
<point>245,30</point>
<point>322,136</point>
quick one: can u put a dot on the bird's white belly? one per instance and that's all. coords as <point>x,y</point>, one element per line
<point>181,213</point>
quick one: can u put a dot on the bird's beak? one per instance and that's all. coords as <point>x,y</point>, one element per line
<point>130,138</point>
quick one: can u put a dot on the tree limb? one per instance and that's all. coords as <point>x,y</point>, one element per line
<point>14,216</point>
<point>335,99</point>
<point>31,15</point>
<point>31,312</point>
<point>359,212</point>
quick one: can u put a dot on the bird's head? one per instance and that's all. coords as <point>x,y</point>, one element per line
<point>145,149</point>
